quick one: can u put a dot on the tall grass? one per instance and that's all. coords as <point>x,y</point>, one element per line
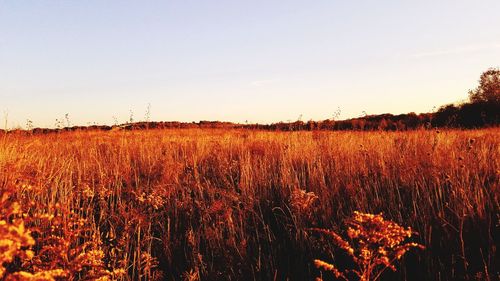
<point>226,204</point>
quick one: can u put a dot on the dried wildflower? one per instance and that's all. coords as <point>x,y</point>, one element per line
<point>67,243</point>
<point>329,267</point>
<point>16,243</point>
<point>374,245</point>
<point>49,275</point>
<point>15,239</point>
<point>300,200</point>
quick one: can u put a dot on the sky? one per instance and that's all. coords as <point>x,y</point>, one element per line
<point>101,61</point>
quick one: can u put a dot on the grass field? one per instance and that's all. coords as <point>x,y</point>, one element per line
<point>228,204</point>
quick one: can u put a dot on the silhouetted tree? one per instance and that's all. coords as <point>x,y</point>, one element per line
<point>483,108</point>
<point>488,90</point>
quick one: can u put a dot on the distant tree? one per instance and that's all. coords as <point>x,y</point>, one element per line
<point>482,109</point>
<point>383,124</point>
<point>488,90</point>
<point>446,116</point>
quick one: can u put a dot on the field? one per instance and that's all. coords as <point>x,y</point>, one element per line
<point>188,204</point>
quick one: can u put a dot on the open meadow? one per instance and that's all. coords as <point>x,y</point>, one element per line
<point>193,204</point>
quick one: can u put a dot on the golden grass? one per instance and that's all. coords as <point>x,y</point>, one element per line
<point>237,205</point>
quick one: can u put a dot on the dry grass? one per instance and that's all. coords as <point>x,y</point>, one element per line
<point>237,205</point>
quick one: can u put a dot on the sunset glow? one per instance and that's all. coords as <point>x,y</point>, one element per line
<point>261,61</point>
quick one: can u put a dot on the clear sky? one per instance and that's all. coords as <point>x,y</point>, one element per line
<point>261,61</point>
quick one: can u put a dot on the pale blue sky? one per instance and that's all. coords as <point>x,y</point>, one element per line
<point>261,61</point>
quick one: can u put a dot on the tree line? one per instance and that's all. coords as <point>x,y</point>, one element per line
<point>482,109</point>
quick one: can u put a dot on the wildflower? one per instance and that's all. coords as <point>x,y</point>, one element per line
<point>375,244</point>
<point>15,239</point>
<point>300,200</point>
